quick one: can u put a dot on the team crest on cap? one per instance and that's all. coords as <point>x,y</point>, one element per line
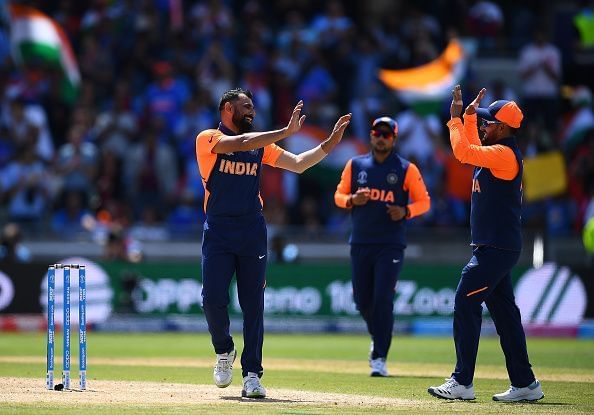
<point>392,178</point>
<point>362,177</point>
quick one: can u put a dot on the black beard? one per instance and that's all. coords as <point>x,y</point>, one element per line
<point>384,150</point>
<point>486,141</point>
<point>243,125</point>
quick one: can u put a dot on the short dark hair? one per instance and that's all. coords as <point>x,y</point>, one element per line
<point>232,95</point>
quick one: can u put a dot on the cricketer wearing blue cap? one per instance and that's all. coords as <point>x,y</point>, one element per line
<point>382,191</point>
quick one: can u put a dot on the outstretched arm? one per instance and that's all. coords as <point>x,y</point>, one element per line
<point>458,138</point>
<point>252,141</point>
<point>470,119</point>
<point>500,159</point>
<point>298,163</point>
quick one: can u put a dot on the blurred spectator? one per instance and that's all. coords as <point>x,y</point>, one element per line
<point>539,66</point>
<point>389,36</point>
<point>77,162</point>
<point>27,124</point>
<point>277,219</point>
<point>581,175</point>
<point>332,25</point>
<point>499,89</point>
<point>295,30</point>
<point>67,221</point>
<point>418,134</point>
<point>309,215</point>
<point>196,116</point>
<point>166,96</point>
<point>536,139</point>
<point>116,126</point>
<point>58,113</point>
<point>4,34</point>
<point>110,189</point>
<point>579,120</point>
<point>150,227</point>
<point>522,23</point>
<point>212,18</point>
<point>11,248</point>
<point>366,95</point>
<point>31,83</point>
<point>96,64</point>
<point>25,187</point>
<point>150,171</point>
<point>418,23</point>
<point>366,61</point>
<point>187,217</point>
<point>485,21</point>
<point>119,247</point>
<point>7,147</point>
<point>419,138</point>
<point>262,99</point>
<point>317,89</point>
<point>214,72</point>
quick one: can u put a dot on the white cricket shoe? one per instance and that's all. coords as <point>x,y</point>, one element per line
<point>252,388</point>
<point>223,369</point>
<point>532,392</point>
<point>451,389</point>
<point>378,367</point>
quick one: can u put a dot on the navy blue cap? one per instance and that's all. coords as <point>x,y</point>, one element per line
<point>388,121</point>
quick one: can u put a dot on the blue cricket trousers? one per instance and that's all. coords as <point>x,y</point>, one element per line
<point>375,270</point>
<point>235,246</point>
<point>487,277</point>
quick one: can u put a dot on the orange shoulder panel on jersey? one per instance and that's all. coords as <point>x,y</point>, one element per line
<point>205,142</point>
<point>343,190</point>
<point>417,191</point>
<point>271,154</point>
<point>498,158</point>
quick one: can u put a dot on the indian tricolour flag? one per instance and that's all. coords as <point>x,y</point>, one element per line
<point>429,82</point>
<point>36,37</point>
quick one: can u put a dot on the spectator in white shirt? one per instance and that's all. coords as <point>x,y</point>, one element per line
<point>540,69</point>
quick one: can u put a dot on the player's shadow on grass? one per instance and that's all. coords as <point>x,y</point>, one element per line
<point>264,400</point>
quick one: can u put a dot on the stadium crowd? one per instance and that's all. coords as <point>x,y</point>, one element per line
<point>121,156</point>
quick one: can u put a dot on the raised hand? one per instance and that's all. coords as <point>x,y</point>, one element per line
<point>296,121</point>
<point>456,105</point>
<point>337,133</point>
<point>471,108</point>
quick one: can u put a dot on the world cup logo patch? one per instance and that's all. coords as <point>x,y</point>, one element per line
<point>392,178</point>
<point>362,177</point>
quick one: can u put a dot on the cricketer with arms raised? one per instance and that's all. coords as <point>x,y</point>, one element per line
<point>234,242</point>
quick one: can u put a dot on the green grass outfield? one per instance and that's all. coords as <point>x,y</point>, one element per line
<point>171,373</point>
